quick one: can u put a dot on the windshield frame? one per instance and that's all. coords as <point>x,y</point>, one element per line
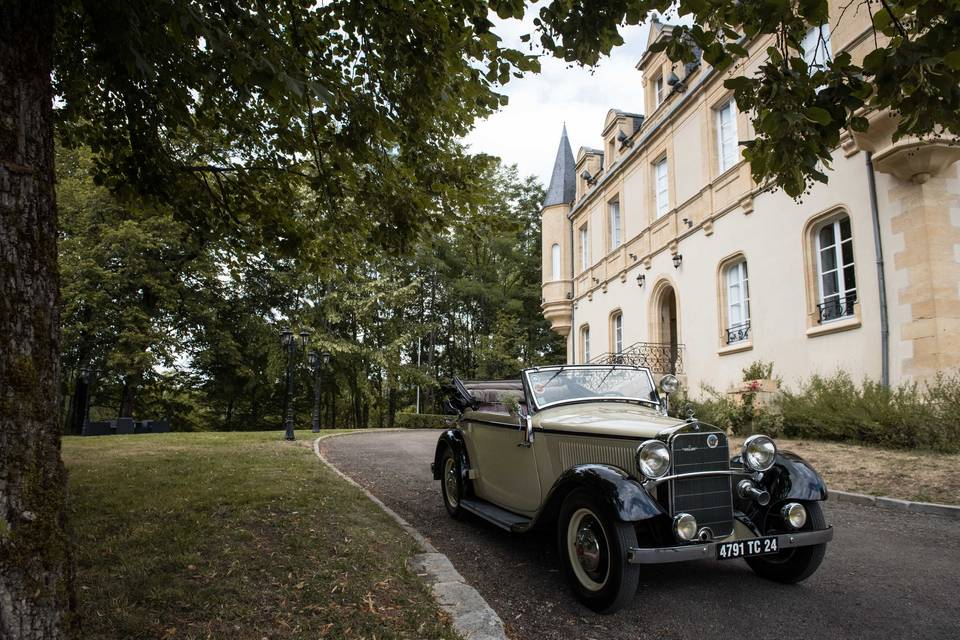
<point>532,398</point>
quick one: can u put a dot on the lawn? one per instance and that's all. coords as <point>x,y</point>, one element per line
<point>234,535</point>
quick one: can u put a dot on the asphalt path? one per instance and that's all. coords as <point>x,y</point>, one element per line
<point>887,574</point>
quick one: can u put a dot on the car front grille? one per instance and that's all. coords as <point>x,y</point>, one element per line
<point>707,498</point>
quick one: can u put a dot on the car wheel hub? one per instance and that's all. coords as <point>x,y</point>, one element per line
<point>588,549</point>
<point>450,480</point>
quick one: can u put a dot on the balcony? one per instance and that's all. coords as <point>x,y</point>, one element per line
<point>835,308</point>
<point>738,332</point>
<point>659,357</point>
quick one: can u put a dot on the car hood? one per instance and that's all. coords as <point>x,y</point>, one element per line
<point>607,418</point>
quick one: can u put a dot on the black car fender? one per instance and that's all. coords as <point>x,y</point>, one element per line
<point>792,478</point>
<point>626,497</point>
<point>451,439</point>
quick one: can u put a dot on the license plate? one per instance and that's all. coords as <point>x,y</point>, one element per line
<point>747,548</point>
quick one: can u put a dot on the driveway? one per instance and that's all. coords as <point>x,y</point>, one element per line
<point>887,574</point>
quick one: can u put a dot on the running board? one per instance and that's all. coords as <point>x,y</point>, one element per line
<point>506,520</point>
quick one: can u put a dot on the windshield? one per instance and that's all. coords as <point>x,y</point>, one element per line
<point>600,382</point>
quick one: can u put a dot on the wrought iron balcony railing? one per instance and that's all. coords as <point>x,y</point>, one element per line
<point>836,308</point>
<point>659,357</point>
<point>738,332</point>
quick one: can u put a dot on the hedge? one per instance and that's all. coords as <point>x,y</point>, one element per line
<point>421,421</point>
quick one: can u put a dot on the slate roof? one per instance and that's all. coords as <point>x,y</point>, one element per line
<point>563,185</point>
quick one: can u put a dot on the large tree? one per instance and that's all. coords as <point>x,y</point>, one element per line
<point>231,109</point>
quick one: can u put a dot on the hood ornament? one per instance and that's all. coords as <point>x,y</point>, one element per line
<point>688,411</point>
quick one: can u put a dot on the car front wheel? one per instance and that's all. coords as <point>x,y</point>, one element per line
<point>593,548</point>
<point>794,565</point>
<point>451,483</point>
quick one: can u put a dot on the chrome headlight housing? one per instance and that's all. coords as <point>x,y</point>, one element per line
<point>669,383</point>
<point>794,514</point>
<point>653,459</point>
<point>758,452</point>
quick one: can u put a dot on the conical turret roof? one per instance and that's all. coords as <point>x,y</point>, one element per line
<point>563,186</point>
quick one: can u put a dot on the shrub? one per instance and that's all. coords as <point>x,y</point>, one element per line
<point>421,421</point>
<point>758,370</point>
<point>909,416</point>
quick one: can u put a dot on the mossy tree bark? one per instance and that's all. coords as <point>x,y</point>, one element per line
<point>36,574</point>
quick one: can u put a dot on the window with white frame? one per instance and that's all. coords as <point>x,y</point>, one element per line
<point>816,47</point>
<point>727,154</point>
<point>661,187</point>
<point>836,279</point>
<point>555,261</point>
<point>738,302</point>
<point>585,343</point>
<point>658,90</point>
<point>584,248</point>
<point>613,211</point>
<point>617,331</point>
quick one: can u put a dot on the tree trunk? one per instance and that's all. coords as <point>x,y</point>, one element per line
<point>36,566</point>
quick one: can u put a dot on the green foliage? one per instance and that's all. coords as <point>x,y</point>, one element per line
<point>758,370</point>
<point>908,416</point>
<point>422,421</point>
<point>798,113</point>
<point>185,326</point>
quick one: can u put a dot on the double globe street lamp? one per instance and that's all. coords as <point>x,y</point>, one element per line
<point>290,342</point>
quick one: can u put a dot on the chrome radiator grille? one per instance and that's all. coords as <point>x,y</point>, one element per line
<point>706,498</point>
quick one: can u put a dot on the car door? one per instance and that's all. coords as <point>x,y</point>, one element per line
<point>504,466</point>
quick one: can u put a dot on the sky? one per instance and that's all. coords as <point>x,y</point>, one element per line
<point>527,131</point>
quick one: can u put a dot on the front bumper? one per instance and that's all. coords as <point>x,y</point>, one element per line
<point>708,550</point>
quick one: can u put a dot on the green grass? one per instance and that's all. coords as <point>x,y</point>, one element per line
<point>234,535</point>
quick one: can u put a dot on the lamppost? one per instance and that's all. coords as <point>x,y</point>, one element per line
<point>289,341</point>
<point>317,361</point>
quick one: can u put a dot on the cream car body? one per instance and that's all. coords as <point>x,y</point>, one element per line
<point>592,450</point>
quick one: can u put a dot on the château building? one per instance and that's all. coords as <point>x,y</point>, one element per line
<point>659,248</point>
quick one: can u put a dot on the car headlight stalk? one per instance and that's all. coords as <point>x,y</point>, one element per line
<point>653,459</point>
<point>759,452</point>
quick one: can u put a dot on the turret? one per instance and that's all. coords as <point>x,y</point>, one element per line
<point>557,253</point>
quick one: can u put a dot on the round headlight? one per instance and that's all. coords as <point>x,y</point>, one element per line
<point>669,383</point>
<point>685,527</point>
<point>653,459</point>
<point>794,514</point>
<point>759,452</point>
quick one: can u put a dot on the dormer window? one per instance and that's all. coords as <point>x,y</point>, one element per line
<point>658,91</point>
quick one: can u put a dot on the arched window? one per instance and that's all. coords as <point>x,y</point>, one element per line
<point>555,261</point>
<point>616,332</point>
<point>585,343</point>
<point>738,301</point>
<point>836,278</point>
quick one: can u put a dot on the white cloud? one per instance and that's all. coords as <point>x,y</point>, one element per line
<point>526,132</point>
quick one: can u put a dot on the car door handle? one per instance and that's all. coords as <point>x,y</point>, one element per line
<point>525,445</point>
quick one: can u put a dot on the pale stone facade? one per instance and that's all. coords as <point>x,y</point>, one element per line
<point>660,245</point>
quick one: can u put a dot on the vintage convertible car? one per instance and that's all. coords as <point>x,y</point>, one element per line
<point>590,449</point>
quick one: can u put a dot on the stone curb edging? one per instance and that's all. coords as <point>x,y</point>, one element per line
<point>946,510</point>
<point>469,613</point>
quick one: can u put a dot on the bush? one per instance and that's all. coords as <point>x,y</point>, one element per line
<point>910,416</point>
<point>421,421</point>
<point>758,370</point>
